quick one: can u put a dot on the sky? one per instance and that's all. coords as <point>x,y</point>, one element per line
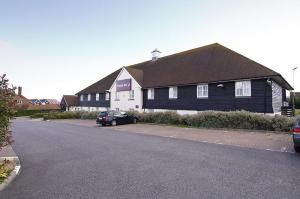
<point>57,47</point>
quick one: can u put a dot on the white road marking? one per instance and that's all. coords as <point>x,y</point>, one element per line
<point>274,150</point>
<point>283,149</point>
<point>17,169</point>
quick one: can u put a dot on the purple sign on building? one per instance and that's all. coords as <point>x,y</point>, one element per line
<point>124,85</point>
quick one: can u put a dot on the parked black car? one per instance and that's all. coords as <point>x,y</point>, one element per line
<point>114,118</point>
<point>296,136</point>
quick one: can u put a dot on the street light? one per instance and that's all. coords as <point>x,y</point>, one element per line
<point>294,89</point>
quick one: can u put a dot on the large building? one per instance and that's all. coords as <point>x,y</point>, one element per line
<point>211,77</point>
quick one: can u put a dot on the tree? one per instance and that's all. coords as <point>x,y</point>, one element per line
<point>7,94</point>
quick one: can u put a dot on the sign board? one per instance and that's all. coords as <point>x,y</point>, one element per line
<point>124,85</point>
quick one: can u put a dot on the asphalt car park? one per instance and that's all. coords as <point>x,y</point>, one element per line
<point>67,160</point>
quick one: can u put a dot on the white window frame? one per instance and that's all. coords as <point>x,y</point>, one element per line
<point>117,95</point>
<point>202,91</point>
<point>131,94</point>
<point>107,96</point>
<point>97,96</point>
<point>81,97</point>
<point>89,97</point>
<point>243,88</point>
<point>173,92</point>
<point>150,93</point>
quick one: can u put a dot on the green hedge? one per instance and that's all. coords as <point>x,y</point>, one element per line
<point>62,115</point>
<point>89,115</point>
<point>218,119</point>
<point>39,115</point>
<point>297,112</point>
<point>67,115</point>
<point>206,119</point>
<point>20,113</point>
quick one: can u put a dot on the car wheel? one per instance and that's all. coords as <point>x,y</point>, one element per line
<point>134,121</point>
<point>114,123</point>
<point>297,149</point>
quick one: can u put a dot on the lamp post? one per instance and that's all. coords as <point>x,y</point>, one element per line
<point>294,89</point>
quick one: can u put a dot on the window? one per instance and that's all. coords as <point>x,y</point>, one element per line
<point>117,96</point>
<point>150,93</point>
<point>89,97</point>
<point>131,94</point>
<point>81,97</point>
<point>202,91</point>
<point>107,96</point>
<point>243,88</point>
<point>97,96</point>
<point>173,93</point>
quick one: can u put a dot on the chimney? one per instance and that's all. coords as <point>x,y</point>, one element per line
<point>155,54</point>
<point>19,90</point>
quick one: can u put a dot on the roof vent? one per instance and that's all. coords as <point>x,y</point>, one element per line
<point>155,54</point>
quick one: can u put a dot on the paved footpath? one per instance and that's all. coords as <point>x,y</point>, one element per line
<point>64,161</point>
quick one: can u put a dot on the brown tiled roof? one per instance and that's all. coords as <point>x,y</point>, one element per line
<point>211,63</point>
<point>21,97</point>
<point>102,85</point>
<point>71,100</point>
<point>53,101</point>
<point>137,74</point>
<point>44,107</point>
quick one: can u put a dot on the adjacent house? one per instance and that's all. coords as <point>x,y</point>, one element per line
<point>211,77</point>
<point>21,102</point>
<point>69,103</point>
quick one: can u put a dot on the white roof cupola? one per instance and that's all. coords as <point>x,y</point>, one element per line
<point>155,54</point>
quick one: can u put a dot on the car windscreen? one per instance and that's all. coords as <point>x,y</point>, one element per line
<point>103,114</point>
